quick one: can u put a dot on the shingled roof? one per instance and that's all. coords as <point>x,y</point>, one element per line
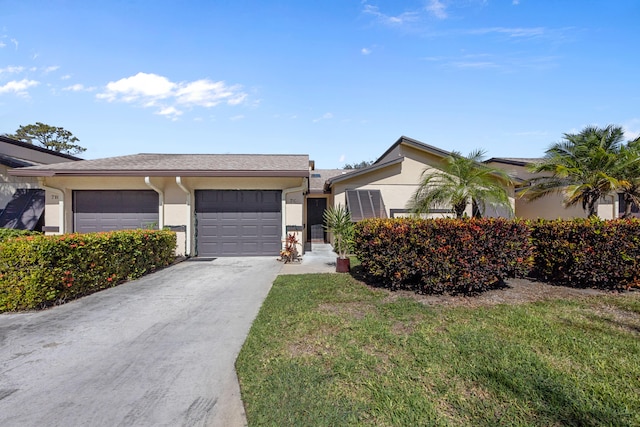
<point>178,165</point>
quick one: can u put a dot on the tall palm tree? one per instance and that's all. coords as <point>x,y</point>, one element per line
<point>584,167</point>
<point>460,181</point>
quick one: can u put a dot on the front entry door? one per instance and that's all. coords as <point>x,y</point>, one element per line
<point>315,220</point>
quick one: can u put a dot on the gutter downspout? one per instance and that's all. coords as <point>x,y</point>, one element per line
<point>187,244</point>
<point>147,180</point>
<point>61,219</point>
<point>304,187</point>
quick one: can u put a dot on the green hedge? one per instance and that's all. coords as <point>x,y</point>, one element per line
<point>443,255</point>
<point>7,233</point>
<point>38,271</point>
<point>588,252</point>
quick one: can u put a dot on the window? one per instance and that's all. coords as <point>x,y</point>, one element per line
<point>365,204</point>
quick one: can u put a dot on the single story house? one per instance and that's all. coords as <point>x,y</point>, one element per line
<point>245,205</point>
<point>21,198</point>
<point>219,204</point>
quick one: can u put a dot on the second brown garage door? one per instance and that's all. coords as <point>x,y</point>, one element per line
<point>238,222</point>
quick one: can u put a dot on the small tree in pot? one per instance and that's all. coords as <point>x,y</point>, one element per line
<point>337,221</point>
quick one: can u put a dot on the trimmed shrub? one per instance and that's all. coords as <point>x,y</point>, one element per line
<point>39,271</point>
<point>588,252</point>
<point>7,233</point>
<point>443,255</point>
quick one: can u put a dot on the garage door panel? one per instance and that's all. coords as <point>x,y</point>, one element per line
<point>238,223</point>
<point>108,210</point>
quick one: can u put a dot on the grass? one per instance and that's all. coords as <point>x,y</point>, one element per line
<point>328,350</point>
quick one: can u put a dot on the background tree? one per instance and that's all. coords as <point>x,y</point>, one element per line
<point>362,164</point>
<point>461,181</point>
<point>50,137</point>
<point>628,171</point>
<point>583,168</point>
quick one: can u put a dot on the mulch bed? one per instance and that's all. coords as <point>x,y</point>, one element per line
<point>515,291</point>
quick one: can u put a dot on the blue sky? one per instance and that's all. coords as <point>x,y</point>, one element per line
<point>339,80</point>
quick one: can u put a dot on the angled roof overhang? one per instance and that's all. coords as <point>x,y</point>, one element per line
<point>359,172</point>
<point>37,148</point>
<point>415,144</point>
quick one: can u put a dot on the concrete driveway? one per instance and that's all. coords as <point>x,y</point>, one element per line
<point>158,351</point>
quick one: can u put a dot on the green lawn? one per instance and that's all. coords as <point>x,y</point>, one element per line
<point>328,350</point>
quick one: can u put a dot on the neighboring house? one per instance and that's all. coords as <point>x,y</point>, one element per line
<point>22,201</point>
<point>552,205</point>
<point>383,189</point>
<point>219,205</point>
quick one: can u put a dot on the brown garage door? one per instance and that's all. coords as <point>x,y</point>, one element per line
<point>107,210</point>
<point>238,222</point>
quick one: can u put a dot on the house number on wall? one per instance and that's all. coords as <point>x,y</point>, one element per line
<point>54,197</point>
<point>294,200</point>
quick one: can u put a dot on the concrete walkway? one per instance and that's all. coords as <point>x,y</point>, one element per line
<point>321,259</point>
<point>159,351</point>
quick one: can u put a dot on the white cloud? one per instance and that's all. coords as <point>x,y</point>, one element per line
<point>341,159</point>
<point>510,32</point>
<point>170,112</point>
<point>152,90</point>
<point>51,69</point>
<point>632,129</point>
<point>238,117</point>
<point>18,87</point>
<point>515,2</point>
<point>11,69</point>
<point>365,51</point>
<point>2,44</point>
<point>65,77</point>
<point>397,20</point>
<point>437,9</point>
<point>147,87</point>
<point>15,43</point>
<point>325,116</point>
<point>207,93</point>
<point>78,87</point>
<point>474,64</point>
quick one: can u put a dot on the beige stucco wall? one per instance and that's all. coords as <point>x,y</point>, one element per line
<point>552,205</point>
<point>9,185</point>
<point>176,207</point>
<point>397,183</point>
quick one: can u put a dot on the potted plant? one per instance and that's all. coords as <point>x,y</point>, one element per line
<point>337,221</point>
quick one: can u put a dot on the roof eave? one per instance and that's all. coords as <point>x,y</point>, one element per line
<point>37,148</point>
<point>358,172</point>
<point>415,144</point>
<point>507,161</point>
<point>162,172</point>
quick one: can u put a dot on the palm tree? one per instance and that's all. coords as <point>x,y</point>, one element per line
<point>629,175</point>
<point>584,167</point>
<point>460,181</point>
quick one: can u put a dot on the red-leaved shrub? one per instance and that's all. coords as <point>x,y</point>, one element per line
<point>588,252</point>
<point>443,255</point>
